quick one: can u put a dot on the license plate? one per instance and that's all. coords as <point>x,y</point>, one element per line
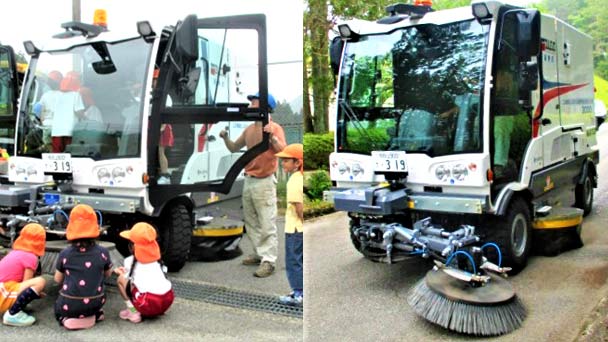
<point>57,162</point>
<point>390,161</point>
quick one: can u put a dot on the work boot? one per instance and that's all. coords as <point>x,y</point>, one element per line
<point>251,260</point>
<point>264,270</point>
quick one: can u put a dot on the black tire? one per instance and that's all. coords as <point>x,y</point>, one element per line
<point>584,195</point>
<point>513,234</point>
<point>175,236</point>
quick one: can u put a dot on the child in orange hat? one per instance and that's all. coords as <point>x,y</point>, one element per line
<point>142,282</point>
<point>292,160</point>
<point>81,269</point>
<point>18,286</point>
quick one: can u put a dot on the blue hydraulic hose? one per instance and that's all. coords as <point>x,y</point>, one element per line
<point>100,218</point>
<point>465,254</point>
<point>492,244</point>
<point>62,212</point>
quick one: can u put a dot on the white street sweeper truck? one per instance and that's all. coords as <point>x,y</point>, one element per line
<point>459,133</point>
<point>94,109</point>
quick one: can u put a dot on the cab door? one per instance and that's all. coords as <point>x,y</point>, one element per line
<point>209,67</point>
<point>9,84</point>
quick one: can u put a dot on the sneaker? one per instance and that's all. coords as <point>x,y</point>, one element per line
<point>127,314</point>
<point>292,299</point>
<point>79,323</point>
<point>251,261</point>
<point>264,270</point>
<point>163,180</point>
<point>20,319</point>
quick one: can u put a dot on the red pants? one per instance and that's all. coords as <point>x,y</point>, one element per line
<point>59,143</point>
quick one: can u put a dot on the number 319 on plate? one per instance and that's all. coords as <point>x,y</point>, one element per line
<point>390,161</point>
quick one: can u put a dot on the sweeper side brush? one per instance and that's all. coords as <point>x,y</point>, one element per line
<point>486,308</point>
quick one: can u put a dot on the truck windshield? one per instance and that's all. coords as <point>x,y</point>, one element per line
<point>416,89</point>
<point>85,101</point>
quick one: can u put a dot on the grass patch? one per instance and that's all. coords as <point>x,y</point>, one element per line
<point>316,208</point>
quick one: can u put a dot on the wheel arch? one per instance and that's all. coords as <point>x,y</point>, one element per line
<point>509,196</point>
<point>183,199</point>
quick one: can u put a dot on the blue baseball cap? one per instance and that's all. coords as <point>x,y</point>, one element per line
<point>272,103</point>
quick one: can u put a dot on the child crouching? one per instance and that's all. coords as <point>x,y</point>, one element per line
<point>18,286</point>
<point>81,269</point>
<point>142,282</point>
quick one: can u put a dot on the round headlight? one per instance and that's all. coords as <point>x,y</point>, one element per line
<point>343,168</point>
<point>103,175</point>
<point>357,169</point>
<point>441,172</point>
<point>459,171</point>
<point>31,170</point>
<point>118,174</point>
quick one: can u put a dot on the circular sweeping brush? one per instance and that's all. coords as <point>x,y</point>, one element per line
<point>489,310</point>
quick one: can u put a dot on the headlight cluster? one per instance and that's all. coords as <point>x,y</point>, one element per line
<point>456,171</point>
<point>25,171</point>
<point>116,176</point>
<point>355,169</point>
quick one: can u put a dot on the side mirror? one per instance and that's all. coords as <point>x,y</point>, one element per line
<point>528,33</point>
<point>186,39</point>
<point>335,54</point>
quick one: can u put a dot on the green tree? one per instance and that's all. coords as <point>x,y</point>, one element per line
<point>317,26</point>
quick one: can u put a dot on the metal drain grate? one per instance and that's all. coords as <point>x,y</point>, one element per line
<point>229,297</point>
<point>223,296</point>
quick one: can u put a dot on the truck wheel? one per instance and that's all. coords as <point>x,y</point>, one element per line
<point>513,233</point>
<point>175,236</point>
<point>584,195</point>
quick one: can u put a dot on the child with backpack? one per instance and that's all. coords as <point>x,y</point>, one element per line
<point>142,282</point>
<point>292,160</point>
<point>81,269</point>
<point>18,286</point>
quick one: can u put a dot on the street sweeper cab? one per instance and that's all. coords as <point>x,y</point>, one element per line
<point>95,107</point>
<point>459,133</point>
<point>479,116</point>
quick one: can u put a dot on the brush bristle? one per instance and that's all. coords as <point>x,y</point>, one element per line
<point>464,318</point>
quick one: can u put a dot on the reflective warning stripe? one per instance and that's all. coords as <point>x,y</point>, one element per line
<point>556,224</point>
<point>218,232</point>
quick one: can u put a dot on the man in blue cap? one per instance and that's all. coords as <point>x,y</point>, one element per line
<point>259,190</point>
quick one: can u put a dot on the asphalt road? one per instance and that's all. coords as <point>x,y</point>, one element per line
<point>186,320</point>
<point>353,299</point>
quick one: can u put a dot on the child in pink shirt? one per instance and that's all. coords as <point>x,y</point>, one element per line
<point>18,286</point>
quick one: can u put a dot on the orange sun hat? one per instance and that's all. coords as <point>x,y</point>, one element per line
<point>83,223</point>
<point>295,151</point>
<point>143,236</point>
<point>32,238</point>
